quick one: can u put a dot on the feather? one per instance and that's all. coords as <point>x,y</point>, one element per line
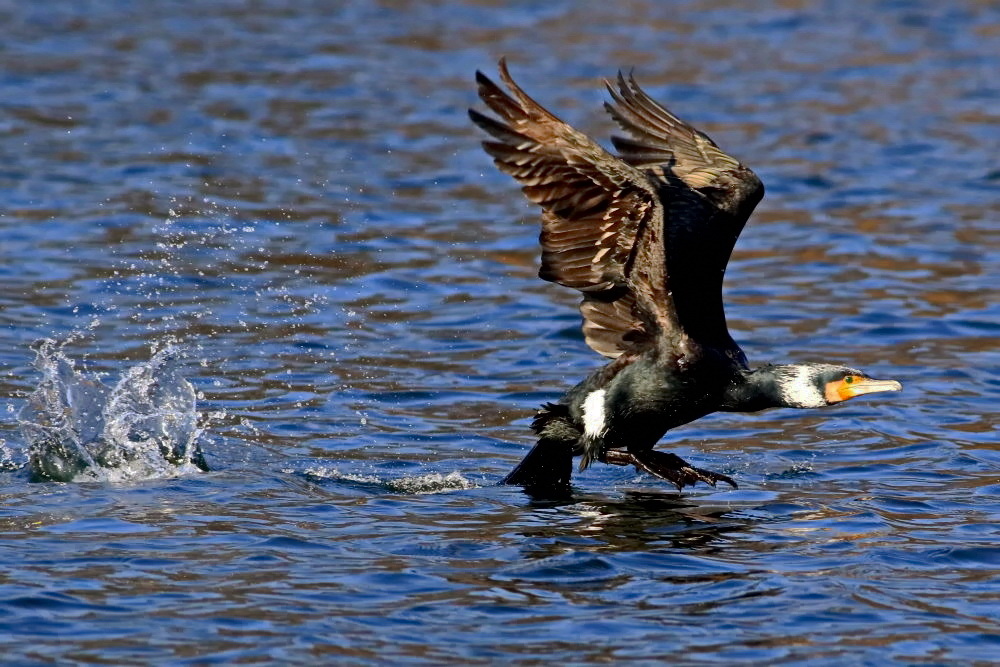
<point>613,226</point>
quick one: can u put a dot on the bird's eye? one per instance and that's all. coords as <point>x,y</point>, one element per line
<point>849,379</point>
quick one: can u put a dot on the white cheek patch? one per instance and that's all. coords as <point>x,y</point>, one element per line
<point>593,414</point>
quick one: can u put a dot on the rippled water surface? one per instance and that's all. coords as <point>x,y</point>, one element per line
<point>293,192</point>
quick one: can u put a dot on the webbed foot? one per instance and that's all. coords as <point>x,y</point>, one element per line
<point>666,466</point>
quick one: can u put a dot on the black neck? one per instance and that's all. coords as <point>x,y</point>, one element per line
<point>753,390</point>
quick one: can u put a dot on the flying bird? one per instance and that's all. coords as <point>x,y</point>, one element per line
<point>645,236</point>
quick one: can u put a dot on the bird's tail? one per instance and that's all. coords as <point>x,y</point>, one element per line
<point>548,466</point>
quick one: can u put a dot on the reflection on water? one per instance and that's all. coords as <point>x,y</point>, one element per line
<point>293,192</point>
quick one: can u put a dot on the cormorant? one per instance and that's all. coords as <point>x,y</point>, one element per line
<point>645,235</point>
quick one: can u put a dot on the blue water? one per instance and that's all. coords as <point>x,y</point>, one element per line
<point>293,194</point>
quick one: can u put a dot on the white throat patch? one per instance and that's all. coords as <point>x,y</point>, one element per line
<point>593,414</point>
<point>799,389</point>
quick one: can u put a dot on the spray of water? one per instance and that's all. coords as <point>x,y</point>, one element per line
<point>78,428</point>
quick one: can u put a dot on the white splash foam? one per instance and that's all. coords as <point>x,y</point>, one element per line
<point>79,429</point>
<point>430,483</point>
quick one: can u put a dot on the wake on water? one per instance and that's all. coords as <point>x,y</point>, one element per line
<point>79,429</point>
<point>429,483</point>
<point>144,427</point>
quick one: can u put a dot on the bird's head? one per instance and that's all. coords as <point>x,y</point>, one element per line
<point>819,385</point>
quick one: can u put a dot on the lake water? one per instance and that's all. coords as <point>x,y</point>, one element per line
<point>293,193</point>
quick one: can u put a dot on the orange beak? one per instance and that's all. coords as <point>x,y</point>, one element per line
<point>841,390</point>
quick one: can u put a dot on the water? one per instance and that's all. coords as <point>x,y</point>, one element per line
<point>292,194</point>
<point>79,429</point>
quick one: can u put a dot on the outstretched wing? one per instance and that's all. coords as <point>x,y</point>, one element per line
<point>707,197</point>
<point>602,222</point>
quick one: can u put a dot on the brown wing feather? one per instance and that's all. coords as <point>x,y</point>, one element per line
<point>611,325</point>
<point>666,147</point>
<point>707,197</point>
<point>598,215</point>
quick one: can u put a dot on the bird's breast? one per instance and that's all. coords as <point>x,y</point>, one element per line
<point>638,408</point>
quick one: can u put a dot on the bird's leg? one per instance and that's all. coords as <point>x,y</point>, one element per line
<point>666,466</point>
<point>617,457</point>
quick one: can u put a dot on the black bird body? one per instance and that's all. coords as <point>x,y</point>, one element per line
<point>645,236</point>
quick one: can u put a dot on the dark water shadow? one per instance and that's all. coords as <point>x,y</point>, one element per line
<point>640,519</point>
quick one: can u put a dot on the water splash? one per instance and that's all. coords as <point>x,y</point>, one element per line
<point>429,483</point>
<point>9,457</point>
<point>79,429</point>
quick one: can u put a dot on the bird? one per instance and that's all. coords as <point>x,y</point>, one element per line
<point>645,234</point>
